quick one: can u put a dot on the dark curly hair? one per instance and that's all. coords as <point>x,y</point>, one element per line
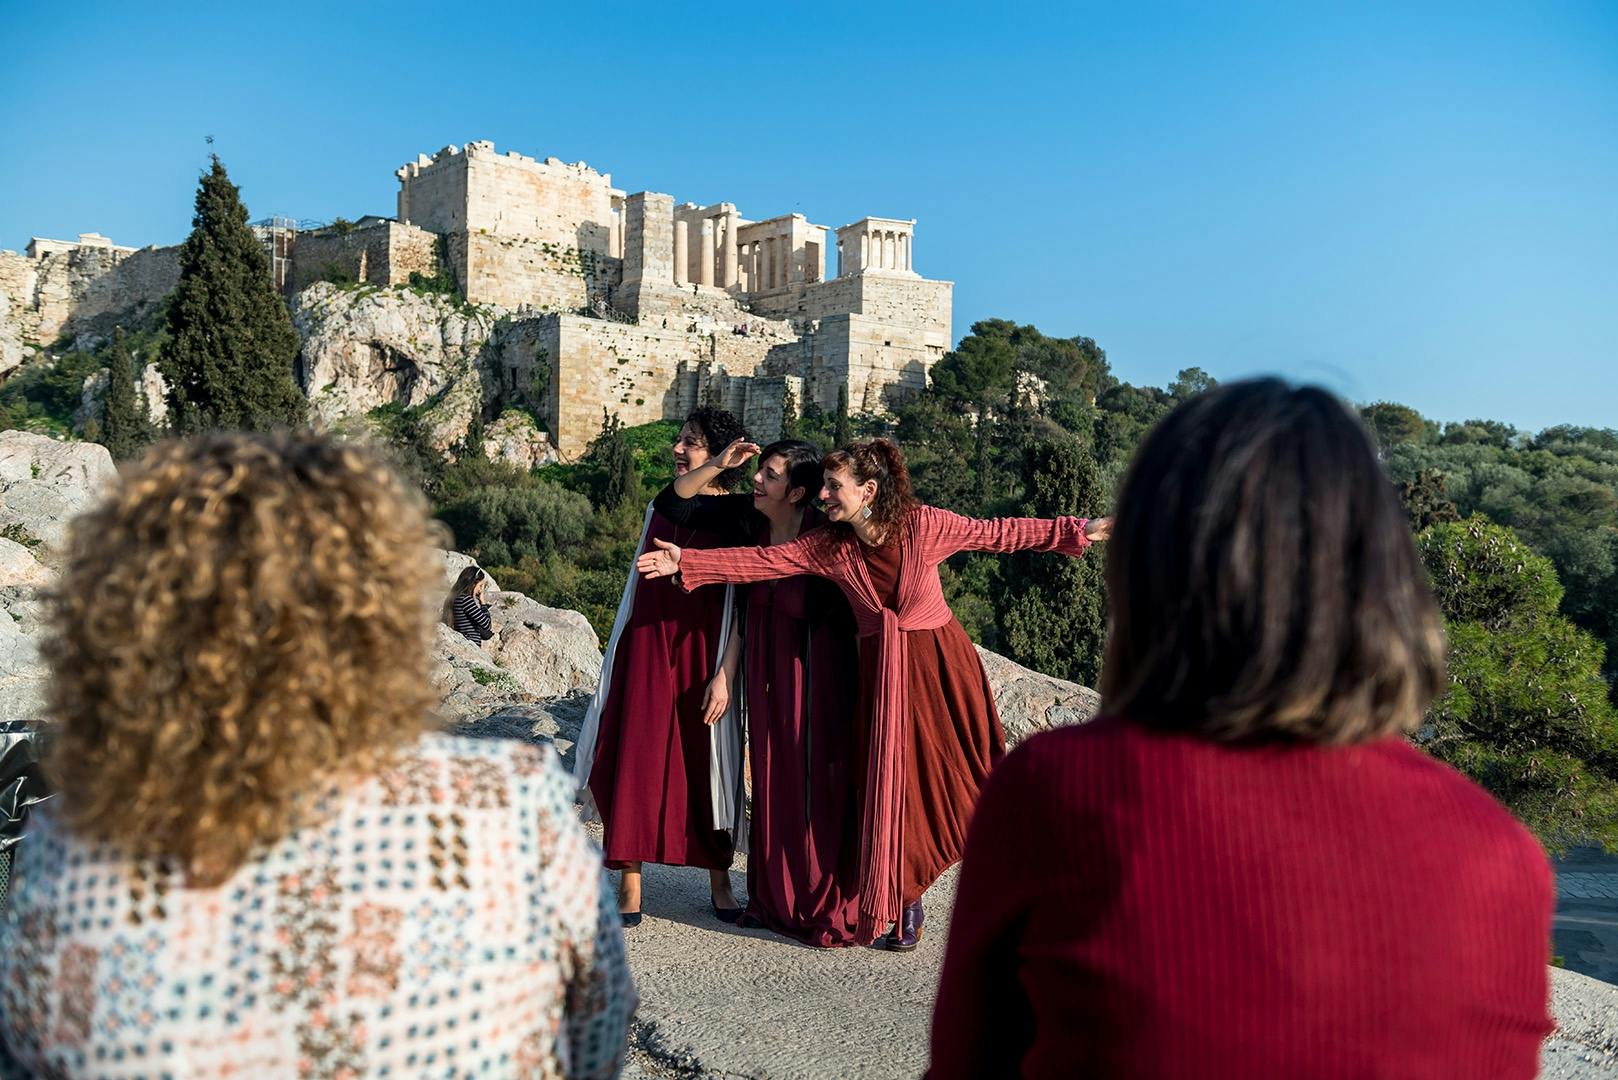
<point>719,429</point>
<point>882,461</point>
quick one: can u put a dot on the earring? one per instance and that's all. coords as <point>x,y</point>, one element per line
<point>865,513</point>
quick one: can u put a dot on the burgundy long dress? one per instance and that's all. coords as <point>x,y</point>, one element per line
<point>650,775</point>
<point>801,655</point>
<point>934,731</point>
<point>803,868</point>
<point>954,734</point>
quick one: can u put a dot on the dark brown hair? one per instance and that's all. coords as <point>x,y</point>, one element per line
<point>1262,580</point>
<point>719,429</point>
<point>466,581</point>
<point>878,460</point>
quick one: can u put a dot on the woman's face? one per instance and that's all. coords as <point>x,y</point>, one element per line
<point>690,450</point>
<point>842,497</point>
<point>772,485</point>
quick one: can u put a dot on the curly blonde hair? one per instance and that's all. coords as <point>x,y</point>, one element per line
<point>241,623</point>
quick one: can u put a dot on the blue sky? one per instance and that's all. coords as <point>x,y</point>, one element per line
<point>1414,205</point>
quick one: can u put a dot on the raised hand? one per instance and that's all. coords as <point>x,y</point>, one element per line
<point>664,562</point>
<point>736,454</point>
<point>1098,528</point>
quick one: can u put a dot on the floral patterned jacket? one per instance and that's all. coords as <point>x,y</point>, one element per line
<point>448,917</point>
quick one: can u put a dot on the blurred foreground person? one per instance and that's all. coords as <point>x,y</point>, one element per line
<point>260,861</point>
<point>1244,869</point>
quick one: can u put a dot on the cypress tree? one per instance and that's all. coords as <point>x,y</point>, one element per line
<point>842,431</point>
<point>1051,609</point>
<point>610,452</point>
<point>790,428</point>
<point>124,430</point>
<point>231,345</point>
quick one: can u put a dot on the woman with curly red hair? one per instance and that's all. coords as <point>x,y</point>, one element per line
<point>925,702</point>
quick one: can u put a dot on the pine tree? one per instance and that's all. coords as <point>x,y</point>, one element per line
<point>790,428</point>
<point>229,358</point>
<point>124,429</point>
<point>842,431</point>
<point>1051,609</point>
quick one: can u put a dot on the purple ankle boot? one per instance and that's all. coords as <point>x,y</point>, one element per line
<point>907,932</point>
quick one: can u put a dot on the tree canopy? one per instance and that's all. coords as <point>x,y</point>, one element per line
<point>231,349</point>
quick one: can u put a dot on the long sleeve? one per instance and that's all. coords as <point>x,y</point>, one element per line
<point>730,516</point>
<point>947,532</point>
<point>475,617</point>
<point>808,554</point>
<point>982,1019</point>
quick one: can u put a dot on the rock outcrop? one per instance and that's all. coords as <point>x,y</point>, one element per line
<point>368,348</point>
<point>1030,702</point>
<point>44,484</point>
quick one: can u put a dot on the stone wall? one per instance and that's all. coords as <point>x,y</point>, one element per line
<point>65,290</point>
<point>478,190</point>
<point>516,272</point>
<point>377,253</point>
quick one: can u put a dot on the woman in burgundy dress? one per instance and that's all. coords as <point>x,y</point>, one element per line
<point>1244,868</point>
<point>924,698</point>
<point>800,643</point>
<point>647,750</point>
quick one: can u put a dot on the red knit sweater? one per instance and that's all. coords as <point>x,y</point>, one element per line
<point>1151,905</point>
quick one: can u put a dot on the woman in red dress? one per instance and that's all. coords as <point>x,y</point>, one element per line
<point>665,782</point>
<point>800,643</point>
<point>1244,868</point>
<point>924,698</point>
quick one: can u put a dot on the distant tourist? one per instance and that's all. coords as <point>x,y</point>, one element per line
<point>261,861</point>
<point>468,613</point>
<point>803,740</point>
<point>923,696</point>
<point>667,784</point>
<point>1245,869</point>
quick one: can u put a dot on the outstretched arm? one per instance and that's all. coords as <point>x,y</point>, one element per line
<point>811,554</point>
<point>950,532</point>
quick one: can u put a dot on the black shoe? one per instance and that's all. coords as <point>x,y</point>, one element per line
<point>631,918</point>
<point>727,914</point>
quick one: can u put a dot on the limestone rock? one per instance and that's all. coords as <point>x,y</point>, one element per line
<point>537,653</point>
<point>152,394</point>
<point>368,347</point>
<point>22,674</point>
<point>19,568</point>
<point>515,439</point>
<point>44,484</point>
<point>12,353</point>
<point>1030,702</point>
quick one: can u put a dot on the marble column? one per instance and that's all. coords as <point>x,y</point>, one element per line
<point>729,264</point>
<point>705,267</point>
<point>681,269</point>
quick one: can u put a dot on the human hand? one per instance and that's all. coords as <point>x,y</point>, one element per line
<point>736,454</point>
<point>716,699</point>
<point>661,563</point>
<point>1098,528</point>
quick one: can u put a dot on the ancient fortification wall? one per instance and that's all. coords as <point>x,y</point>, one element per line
<point>63,284</point>
<point>375,252</point>
<point>629,302</point>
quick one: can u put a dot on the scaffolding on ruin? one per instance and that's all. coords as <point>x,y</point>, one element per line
<point>279,235</point>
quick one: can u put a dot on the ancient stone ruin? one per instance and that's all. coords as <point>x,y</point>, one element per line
<point>576,297</point>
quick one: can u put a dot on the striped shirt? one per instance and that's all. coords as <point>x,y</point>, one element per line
<point>472,619</point>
